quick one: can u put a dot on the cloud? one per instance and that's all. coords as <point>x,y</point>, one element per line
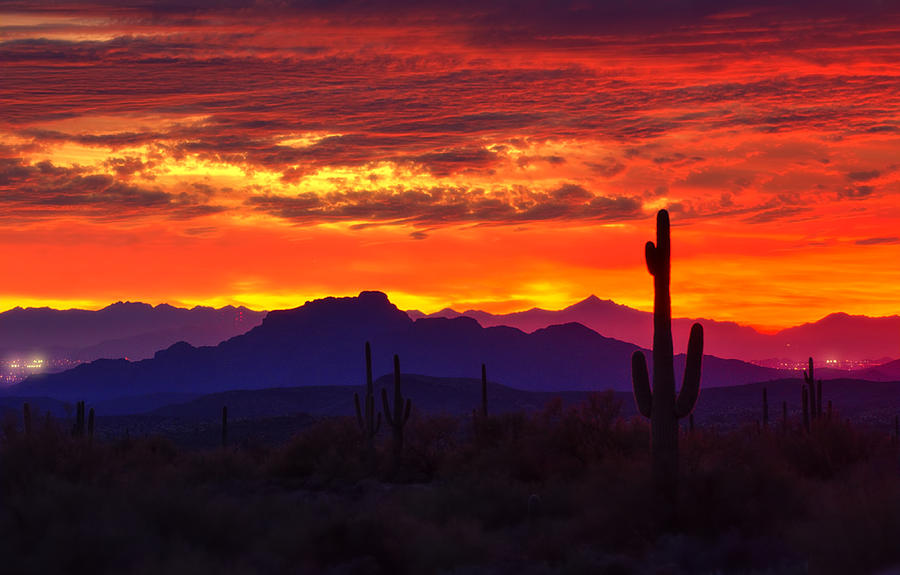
<point>612,99</point>
<point>877,241</point>
<point>44,190</point>
<point>855,192</point>
<point>863,176</point>
<point>450,205</point>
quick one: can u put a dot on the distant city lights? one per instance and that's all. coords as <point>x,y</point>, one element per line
<point>14,370</point>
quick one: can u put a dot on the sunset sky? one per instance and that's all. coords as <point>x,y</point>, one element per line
<point>491,155</point>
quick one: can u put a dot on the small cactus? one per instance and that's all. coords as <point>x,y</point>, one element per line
<point>662,405</point>
<point>368,423</point>
<point>765,408</point>
<point>398,418</point>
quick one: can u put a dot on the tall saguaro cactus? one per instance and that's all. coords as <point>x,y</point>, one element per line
<point>368,424</point>
<point>661,404</point>
<point>810,379</point>
<point>398,418</point>
<point>78,428</point>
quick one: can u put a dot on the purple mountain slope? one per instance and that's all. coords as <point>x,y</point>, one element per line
<point>134,330</point>
<point>837,336</point>
<point>321,343</point>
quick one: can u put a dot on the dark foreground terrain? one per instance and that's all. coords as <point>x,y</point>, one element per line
<point>564,489</point>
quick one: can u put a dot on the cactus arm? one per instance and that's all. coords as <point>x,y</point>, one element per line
<point>690,389</point>
<point>359,417</point>
<point>650,254</point>
<point>640,381</point>
<point>386,407</point>
<point>377,425</point>
<point>809,376</point>
<point>406,411</point>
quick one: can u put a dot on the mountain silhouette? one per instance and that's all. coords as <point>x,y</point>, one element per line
<point>123,329</point>
<point>321,343</point>
<point>836,336</point>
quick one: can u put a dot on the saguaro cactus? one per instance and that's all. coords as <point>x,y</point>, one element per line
<point>78,428</point>
<point>662,405</point>
<point>765,408</point>
<point>815,404</point>
<point>368,424</point>
<point>398,418</point>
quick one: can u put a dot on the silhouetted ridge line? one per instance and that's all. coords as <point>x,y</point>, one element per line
<point>318,344</point>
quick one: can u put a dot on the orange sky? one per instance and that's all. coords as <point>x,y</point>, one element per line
<point>497,157</point>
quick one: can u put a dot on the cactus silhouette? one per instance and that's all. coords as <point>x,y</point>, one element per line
<point>398,418</point>
<point>765,408</point>
<point>815,392</point>
<point>78,428</point>
<point>26,418</point>
<point>661,404</point>
<point>368,424</point>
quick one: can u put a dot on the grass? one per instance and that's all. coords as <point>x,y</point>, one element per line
<point>565,490</point>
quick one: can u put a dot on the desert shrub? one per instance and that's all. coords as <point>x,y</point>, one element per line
<point>748,501</point>
<point>853,523</point>
<point>429,442</point>
<point>329,450</point>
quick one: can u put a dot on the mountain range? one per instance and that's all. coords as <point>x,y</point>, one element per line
<point>137,330</point>
<point>321,343</point>
<point>839,335</point>
<point>123,329</point>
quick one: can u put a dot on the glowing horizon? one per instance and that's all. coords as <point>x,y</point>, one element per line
<point>484,157</point>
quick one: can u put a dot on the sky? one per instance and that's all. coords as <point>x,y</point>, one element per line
<point>489,155</point>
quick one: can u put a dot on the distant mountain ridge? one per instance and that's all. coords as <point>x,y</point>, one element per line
<point>321,343</point>
<point>838,335</point>
<point>123,329</point>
